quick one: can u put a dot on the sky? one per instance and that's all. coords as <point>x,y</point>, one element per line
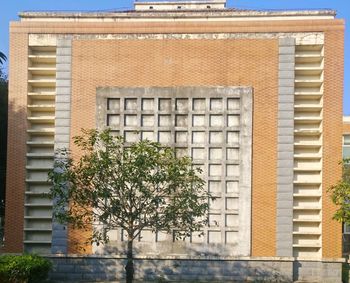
<point>10,9</point>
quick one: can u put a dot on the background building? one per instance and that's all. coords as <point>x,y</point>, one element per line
<point>255,97</point>
<point>346,137</point>
<point>346,154</point>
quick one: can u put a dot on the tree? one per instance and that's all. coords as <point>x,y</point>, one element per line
<point>131,186</point>
<point>3,58</point>
<point>340,194</point>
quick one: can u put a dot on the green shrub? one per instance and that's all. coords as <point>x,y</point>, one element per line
<point>24,268</point>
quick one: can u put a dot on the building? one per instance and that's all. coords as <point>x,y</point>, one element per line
<point>255,97</point>
<point>346,154</point>
<point>346,137</point>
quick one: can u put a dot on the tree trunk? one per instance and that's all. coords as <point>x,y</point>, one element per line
<point>129,268</point>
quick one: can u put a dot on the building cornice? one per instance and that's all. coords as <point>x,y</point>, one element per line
<point>185,14</point>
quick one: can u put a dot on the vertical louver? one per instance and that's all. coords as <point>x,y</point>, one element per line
<point>40,147</point>
<point>308,151</point>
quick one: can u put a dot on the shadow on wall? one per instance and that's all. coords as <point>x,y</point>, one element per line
<point>208,268</point>
<point>14,117</point>
<point>206,264</point>
<point>3,151</point>
<point>170,270</point>
<point>211,271</point>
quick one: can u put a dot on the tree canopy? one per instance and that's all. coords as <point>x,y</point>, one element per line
<point>3,58</point>
<point>130,186</point>
<point>340,194</point>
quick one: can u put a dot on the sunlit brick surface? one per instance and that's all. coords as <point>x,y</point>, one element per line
<point>192,63</point>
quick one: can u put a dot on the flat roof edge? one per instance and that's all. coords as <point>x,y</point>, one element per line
<point>184,13</point>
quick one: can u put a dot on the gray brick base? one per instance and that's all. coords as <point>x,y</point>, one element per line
<point>108,268</point>
<point>315,271</point>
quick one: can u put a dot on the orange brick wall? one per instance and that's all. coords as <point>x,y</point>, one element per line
<point>177,27</point>
<point>192,63</point>
<point>332,138</point>
<point>16,147</point>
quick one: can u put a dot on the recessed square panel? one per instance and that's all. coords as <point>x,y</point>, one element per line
<point>114,235</point>
<point>147,135</point>
<point>176,239</point>
<point>233,120</point>
<point>232,187</point>
<point>164,104</point>
<point>113,121</point>
<point>233,103</point>
<point>147,120</point>
<point>130,120</point>
<point>198,237</point>
<point>198,104</point>
<point>163,236</point>
<point>214,220</point>
<point>164,137</point>
<point>131,136</point>
<point>181,152</point>
<point>198,120</point>
<point>231,203</point>
<point>181,137</point>
<point>198,153</point>
<point>216,104</point>
<point>216,137</point>
<point>214,186</point>
<point>198,137</point>
<point>231,220</point>
<point>164,121</point>
<point>231,237</point>
<point>215,153</point>
<point>147,236</point>
<point>130,104</point>
<point>181,104</point>
<point>232,170</point>
<point>232,153</point>
<point>181,120</point>
<point>200,169</point>
<point>124,235</point>
<point>216,121</point>
<point>147,104</point>
<point>215,204</point>
<point>113,104</point>
<point>115,133</point>
<point>214,237</point>
<point>215,170</point>
<point>232,137</point>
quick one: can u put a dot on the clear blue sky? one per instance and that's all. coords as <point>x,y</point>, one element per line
<point>9,10</point>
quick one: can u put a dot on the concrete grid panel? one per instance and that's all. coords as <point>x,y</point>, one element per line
<point>211,125</point>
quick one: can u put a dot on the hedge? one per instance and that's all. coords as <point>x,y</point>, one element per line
<point>23,269</point>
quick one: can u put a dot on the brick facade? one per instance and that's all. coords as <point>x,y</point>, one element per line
<point>192,62</point>
<point>332,138</point>
<point>239,62</point>
<point>16,146</point>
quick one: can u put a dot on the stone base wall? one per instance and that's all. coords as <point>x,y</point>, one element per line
<point>101,268</point>
<point>318,271</point>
